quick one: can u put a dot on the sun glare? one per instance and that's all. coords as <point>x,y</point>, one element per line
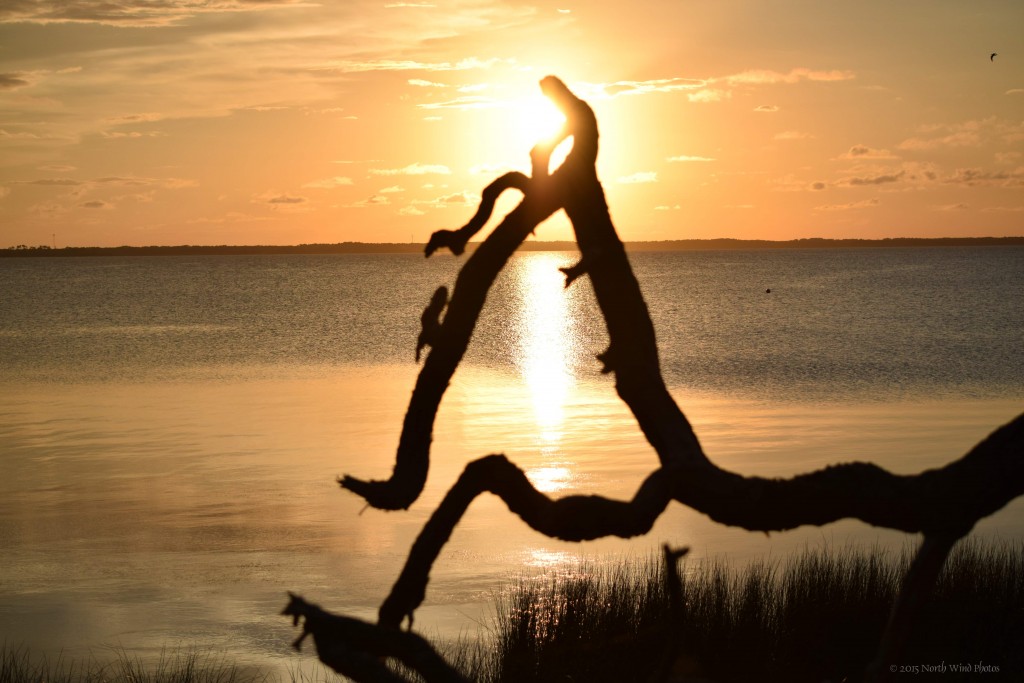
<point>536,118</point>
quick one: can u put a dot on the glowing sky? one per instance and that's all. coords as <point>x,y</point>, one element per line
<point>275,122</point>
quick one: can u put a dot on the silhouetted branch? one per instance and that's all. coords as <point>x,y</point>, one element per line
<point>356,649</point>
<point>917,586</point>
<point>573,518</point>
<point>947,501</point>
<point>943,503</point>
<point>430,321</point>
<point>455,240</point>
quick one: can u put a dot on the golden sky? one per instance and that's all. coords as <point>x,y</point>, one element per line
<point>276,122</point>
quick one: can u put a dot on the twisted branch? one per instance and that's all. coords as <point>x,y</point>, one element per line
<point>943,504</point>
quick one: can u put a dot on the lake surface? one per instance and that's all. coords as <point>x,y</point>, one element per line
<point>171,428</point>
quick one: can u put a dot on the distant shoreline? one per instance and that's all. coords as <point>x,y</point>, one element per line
<point>410,248</point>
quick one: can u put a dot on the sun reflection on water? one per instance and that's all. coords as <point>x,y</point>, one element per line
<point>547,347</point>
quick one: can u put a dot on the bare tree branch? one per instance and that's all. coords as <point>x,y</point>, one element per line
<point>357,649</point>
<point>573,518</point>
<point>943,504</point>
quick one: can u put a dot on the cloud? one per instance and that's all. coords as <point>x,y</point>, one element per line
<point>395,5</point>
<point>709,95</point>
<point>285,199</point>
<point>352,66</point>
<point>865,152</point>
<point>650,86</point>
<point>411,211</point>
<point>1009,209</point>
<point>863,204</point>
<point>768,77</point>
<point>1014,91</point>
<point>686,157</point>
<point>466,198</point>
<point>818,186</point>
<point>391,190</point>
<point>52,182</point>
<point>372,200</point>
<point>970,133</point>
<point>972,177</point>
<point>421,83</point>
<point>135,181</point>
<point>58,168</point>
<point>133,135</point>
<point>462,198</point>
<point>858,181</point>
<point>147,117</point>
<point>126,12</point>
<point>329,183</point>
<point>95,204</point>
<point>414,169</point>
<point>637,178</point>
<point>10,81</point>
<point>766,108</point>
<point>952,207</point>
<point>467,102</point>
<point>963,138</point>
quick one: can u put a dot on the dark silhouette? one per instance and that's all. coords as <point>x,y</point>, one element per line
<point>992,57</point>
<point>942,504</point>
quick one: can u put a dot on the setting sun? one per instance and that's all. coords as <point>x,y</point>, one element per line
<point>536,118</point>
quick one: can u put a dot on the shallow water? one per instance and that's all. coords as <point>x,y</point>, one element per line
<point>171,429</point>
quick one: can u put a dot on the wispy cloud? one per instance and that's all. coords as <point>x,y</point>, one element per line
<point>767,108</point>
<point>688,158</point>
<point>970,133</point>
<point>462,198</point>
<point>132,135</point>
<point>976,176</point>
<point>351,66</point>
<point>10,81</point>
<point>466,102</point>
<point>861,181</point>
<point>53,182</point>
<point>414,169</point>
<point>865,152</point>
<point>637,178</point>
<point>649,86</point>
<point>395,5</point>
<point>768,77</point>
<point>421,83</point>
<point>127,12</point>
<point>863,204</point>
<point>709,95</point>
<point>329,183</point>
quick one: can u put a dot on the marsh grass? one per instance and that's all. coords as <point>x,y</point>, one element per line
<point>817,616</point>
<point>18,665</point>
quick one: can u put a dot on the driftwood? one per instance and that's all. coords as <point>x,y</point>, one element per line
<point>941,504</point>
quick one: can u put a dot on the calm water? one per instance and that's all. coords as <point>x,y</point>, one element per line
<point>171,428</point>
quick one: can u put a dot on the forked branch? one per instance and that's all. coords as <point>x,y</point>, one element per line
<point>943,504</point>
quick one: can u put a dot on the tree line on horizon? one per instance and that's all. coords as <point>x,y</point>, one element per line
<point>721,243</point>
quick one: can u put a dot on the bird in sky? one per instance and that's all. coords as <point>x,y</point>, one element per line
<point>992,57</point>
